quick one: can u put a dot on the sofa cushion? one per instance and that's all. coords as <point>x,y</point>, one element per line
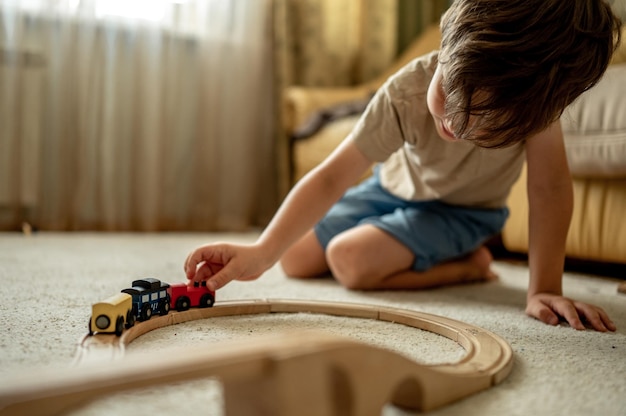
<point>597,230</point>
<point>595,128</point>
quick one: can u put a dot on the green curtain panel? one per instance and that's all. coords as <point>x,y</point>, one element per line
<point>414,16</point>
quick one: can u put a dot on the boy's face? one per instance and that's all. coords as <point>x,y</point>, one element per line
<point>436,101</point>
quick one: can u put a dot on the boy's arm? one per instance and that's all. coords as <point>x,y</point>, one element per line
<point>550,199</point>
<point>313,196</point>
<point>304,206</point>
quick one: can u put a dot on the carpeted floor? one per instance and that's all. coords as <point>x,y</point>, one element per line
<point>50,281</point>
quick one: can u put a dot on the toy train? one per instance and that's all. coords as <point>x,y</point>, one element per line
<point>145,298</point>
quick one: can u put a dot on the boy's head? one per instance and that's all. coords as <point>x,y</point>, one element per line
<point>510,67</point>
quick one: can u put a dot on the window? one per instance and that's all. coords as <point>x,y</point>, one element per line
<point>148,10</point>
<point>153,10</point>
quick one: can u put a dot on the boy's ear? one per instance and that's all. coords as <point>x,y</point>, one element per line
<point>620,53</point>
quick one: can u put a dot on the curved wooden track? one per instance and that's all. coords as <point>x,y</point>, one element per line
<point>304,373</point>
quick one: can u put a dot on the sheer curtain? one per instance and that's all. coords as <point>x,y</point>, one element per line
<point>141,115</point>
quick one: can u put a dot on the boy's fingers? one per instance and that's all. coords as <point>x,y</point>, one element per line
<point>598,319</point>
<point>544,314</point>
<point>551,309</point>
<point>214,279</point>
<point>570,313</point>
<point>610,325</point>
<point>597,323</point>
<point>197,257</point>
<point>220,279</point>
<point>203,272</point>
<point>191,265</point>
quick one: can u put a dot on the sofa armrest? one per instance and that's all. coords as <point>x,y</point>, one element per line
<point>301,103</point>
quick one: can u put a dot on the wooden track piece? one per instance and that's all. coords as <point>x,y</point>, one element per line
<point>304,373</point>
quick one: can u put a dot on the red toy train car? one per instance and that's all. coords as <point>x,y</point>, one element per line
<point>184,296</point>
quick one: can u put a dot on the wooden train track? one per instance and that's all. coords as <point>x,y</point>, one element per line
<point>303,373</point>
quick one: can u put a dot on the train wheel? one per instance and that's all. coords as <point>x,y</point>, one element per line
<point>164,307</point>
<point>130,319</point>
<point>146,313</point>
<point>89,328</point>
<point>182,303</point>
<point>206,301</point>
<point>119,326</point>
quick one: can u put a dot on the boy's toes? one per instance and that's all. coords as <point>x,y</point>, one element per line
<point>491,275</point>
<point>480,262</point>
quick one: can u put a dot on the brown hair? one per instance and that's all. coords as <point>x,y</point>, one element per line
<point>516,64</point>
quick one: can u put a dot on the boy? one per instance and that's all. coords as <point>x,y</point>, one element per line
<point>450,133</point>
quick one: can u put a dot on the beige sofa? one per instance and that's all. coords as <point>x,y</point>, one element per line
<point>595,130</point>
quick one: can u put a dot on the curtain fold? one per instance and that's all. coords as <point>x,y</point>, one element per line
<point>334,42</point>
<point>414,16</point>
<point>143,124</point>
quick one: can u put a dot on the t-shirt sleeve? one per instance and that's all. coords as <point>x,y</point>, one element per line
<point>378,132</point>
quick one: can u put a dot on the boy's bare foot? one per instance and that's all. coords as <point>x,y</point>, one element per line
<point>481,259</point>
<point>475,267</point>
<point>472,268</point>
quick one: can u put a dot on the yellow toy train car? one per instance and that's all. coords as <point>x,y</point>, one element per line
<point>112,314</point>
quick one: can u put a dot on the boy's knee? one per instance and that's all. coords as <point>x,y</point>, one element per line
<point>347,264</point>
<point>291,267</point>
<point>304,259</point>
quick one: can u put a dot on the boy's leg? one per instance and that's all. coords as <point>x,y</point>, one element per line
<point>372,239</point>
<point>474,267</point>
<point>305,258</point>
<point>366,257</point>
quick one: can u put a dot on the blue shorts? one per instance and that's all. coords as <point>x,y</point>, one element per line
<point>434,231</point>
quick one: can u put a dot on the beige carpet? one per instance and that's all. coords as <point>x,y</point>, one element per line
<point>50,281</point>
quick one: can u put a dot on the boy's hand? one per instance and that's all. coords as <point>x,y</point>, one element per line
<point>219,264</point>
<point>551,309</point>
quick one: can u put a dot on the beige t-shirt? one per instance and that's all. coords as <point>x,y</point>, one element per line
<point>398,130</point>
